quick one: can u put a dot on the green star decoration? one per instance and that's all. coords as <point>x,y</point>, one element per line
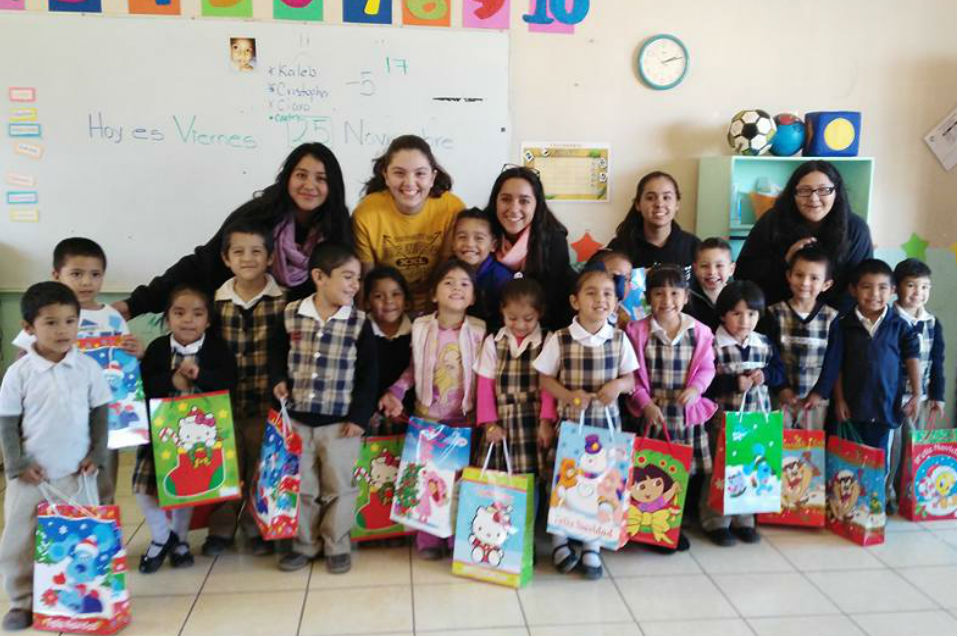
<point>915,247</point>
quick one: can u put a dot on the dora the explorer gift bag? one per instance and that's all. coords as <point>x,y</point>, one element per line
<point>376,471</point>
<point>929,482</point>
<point>79,566</point>
<point>591,483</point>
<point>194,449</point>
<point>495,525</point>
<point>660,477</point>
<point>747,477</point>
<point>432,455</point>
<point>275,498</point>
<point>803,480</point>
<point>855,488</point>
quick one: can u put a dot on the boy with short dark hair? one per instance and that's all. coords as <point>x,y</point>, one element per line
<point>53,426</point>
<point>712,269</point>
<point>474,242</point>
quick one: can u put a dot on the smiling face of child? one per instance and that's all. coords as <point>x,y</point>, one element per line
<point>595,300</point>
<point>188,317</point>
<point>473,241</point>
<point>666,303</point>
<point>247,257</point>
<point>713,267</point>
<point>740,321</point>
<point>807,279</point>
<point>387,302</point>
<point>454,292</point>
<point>872,293</point>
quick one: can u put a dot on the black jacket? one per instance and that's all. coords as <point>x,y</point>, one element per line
<point>679,249</point>
<point>557,281</point>
<point>215,360</point>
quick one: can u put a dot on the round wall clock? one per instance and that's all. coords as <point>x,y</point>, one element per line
<point>663,62</point>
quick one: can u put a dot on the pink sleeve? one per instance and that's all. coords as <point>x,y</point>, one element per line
<point>548,410</point>
<point>703,362</point>
<point>486,401</point>
<point>403,383</point>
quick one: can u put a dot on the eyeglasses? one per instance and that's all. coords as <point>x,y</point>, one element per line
<point>506,167</point>
<point>822,191</point>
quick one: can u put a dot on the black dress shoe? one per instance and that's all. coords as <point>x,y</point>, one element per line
<point>152,564</point>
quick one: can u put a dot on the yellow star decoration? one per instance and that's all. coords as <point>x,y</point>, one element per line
<point>230,454</point>
<point>222,413</point>
<point>159,422</point>
<point>182,406</point>
<point>166,455</point>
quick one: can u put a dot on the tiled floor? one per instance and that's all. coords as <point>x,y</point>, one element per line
<point>792,583</point>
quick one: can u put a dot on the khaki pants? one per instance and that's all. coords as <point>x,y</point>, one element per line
<point>710,519</point>
<point>106,478</point>
<point>19,534</point>
<point>327,490</point>
<point>226,517</point>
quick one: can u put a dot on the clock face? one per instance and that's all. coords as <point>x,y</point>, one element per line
<point>663,62</point>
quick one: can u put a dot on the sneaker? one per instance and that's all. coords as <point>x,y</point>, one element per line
<point>747,534</point>
<point>215,545</point>
<point>294,561</point>
<point>18,619</point>
<point>337,564</point>
<point>721,537</point>
<point>260,547</point>
<point>432,554</point>
<point>180,556</point>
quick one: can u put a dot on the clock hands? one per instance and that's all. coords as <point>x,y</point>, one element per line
<point>672,59</point>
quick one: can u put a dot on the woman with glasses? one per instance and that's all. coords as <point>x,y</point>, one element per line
<point>812,209</point>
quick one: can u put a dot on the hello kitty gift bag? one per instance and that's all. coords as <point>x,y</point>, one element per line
<point>274,498</point>
<point>194,449</point>
<point>590,486</point>
<point>79,565</point>
<point>376,473</point>
<point>495,524</point>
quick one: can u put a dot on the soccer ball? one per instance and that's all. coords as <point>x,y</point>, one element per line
<point>751,132</point>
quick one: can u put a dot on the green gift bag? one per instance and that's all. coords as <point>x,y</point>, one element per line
<point>194,449</point>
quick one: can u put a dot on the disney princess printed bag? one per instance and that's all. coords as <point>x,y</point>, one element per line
<point>194,449</point>
<point>376,473</point>
<point>747,477</point>
<point>803,480</point>
<point>660,478</point>
<point>128,423</point>
<point>275,499</point>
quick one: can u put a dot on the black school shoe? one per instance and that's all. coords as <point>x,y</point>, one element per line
<point>152,564</point>
<point>215,545</point>
<point>337,564</point>
<point>721,537</point>
<point>682,545</point>
<point>18,619</point>
<point>590,572</point>
<point>747,534</point>
<point>180,556</point>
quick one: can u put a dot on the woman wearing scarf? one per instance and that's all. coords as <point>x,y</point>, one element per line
<point>306,206</point>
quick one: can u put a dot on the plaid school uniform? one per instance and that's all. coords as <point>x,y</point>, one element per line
<point>925,328</point>
<point>733,359</point>
<point>668,367</point>
<point>517,403</point>
<point>803,344</point>
<point>588,369</point>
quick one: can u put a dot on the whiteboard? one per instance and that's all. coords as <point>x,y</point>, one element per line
<point>150,137</point>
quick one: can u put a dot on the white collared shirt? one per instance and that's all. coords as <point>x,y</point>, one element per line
<point>871,327</point>
<point>724,339</point>
<point>308,308</point>
<point>550,357</point>
<point>405,327</point>
<point>912,319</point>
<point>54,400</point>
<point>488,361</point>
<point>227,292</point>
<point>187,350</point>
<point>687,323</point>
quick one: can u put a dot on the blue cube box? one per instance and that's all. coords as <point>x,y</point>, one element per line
<point>832,133</point>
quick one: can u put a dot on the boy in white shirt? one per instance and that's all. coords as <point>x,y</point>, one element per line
<point>53,426</point>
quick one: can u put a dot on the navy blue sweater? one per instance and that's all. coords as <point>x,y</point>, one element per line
<point>872,366</point>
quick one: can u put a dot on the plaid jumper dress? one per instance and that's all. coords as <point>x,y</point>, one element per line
<point>732,359</point>
<point>588,369</point>
<point>668,367</point>
<point>517,403</point>
<point>925,329</point>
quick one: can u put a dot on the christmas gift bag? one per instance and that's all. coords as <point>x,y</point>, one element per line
<point>376,471</point>
<point>79,566</point>
<point>495,525</point>
<point>635,302</point>
<point>747,474</point>
<point>432,455</point>
<point>803,480</point>
<point>590,486</point>
<point>275,500</point>
<point>128,423</point>
<point>660,477</point>
<point>194,449</point>
<point>929,482</point>
<point>855,488</point>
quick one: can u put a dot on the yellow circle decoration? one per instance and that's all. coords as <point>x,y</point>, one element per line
<point>839,134</point>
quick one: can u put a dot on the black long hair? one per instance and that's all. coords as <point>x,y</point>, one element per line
<point>632,229</point>
<point>544,223</point>
<point>331,219</point>
<point>788,225</point>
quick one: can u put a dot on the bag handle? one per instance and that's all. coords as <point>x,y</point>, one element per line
<point>665,432</point>
<point>50,493</point>
<point>285,421</point>
<point>847,431</point>
<point>505,453</point>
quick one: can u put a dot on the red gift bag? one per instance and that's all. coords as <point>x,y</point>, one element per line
<point>659,484</point>
<point>803,480</point>
<point>929,480</point>
<point>855,488</point>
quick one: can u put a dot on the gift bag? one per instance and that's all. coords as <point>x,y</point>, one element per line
<point>855,488</point>
<point>79,566</point>
<point>274,502</point>
<point>635,302</point>
<point>194,449</point>
<point>590,484</point>
<point>660,478</point>
<point>803,480</point>
<point>495,525</point>
<point>432,455</point>
<point>929,481</point>
<point>376,470</point>
<point>747,474</point>
<point>128,423</point>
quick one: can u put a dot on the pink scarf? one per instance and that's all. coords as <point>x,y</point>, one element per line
<point>290,262</point>
<point>513,255</point>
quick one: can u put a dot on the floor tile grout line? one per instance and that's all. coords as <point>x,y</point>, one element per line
<point>412,585</point>
<point>302,609</point>
<point>628,607</point>
<point>920,592</point>
<point>717,587</point>
<point>197,598</point>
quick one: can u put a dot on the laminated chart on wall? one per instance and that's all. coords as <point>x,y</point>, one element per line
<point>569,171</point>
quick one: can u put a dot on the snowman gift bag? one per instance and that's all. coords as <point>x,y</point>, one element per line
<point>747,477</point>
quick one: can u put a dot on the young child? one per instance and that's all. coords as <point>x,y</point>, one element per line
<point>80,264</point>
<point>53,426</point>
<point>618,265</point>
<point>747,366</point>
<point>243,54</point>
<point>387,295</point>
<point>188,361</point>
<point>473,242</point>
<point>805,331</point>
<point>445,347</point>
<point>676,367</point>
<point>586,366</point>
<point>877,346</point>
<point>712,269</point>
<point>913,284</point>
<point>248,308</point>
<point>323,362</point>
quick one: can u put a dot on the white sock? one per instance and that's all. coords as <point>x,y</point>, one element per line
<point>561,549</point>
<point>157,521</point>
<point>589,558</point>
<point>181,526</point>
